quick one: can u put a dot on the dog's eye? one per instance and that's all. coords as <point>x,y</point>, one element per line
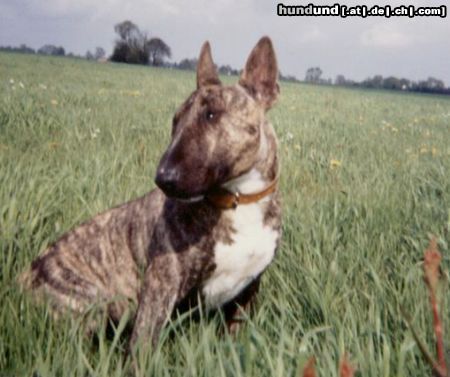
<point>210,115</point>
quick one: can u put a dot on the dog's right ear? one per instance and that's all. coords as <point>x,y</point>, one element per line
<point>260,74</point>
<point>206,70</point>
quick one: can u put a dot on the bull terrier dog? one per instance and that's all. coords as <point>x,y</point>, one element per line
<point>210,228</point>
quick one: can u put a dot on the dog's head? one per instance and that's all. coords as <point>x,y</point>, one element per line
<point>216,133</point>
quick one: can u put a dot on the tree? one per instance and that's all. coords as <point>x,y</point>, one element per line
<point>23,49</point>
<point>131,45</point>
<point>228,70</point>
<point>187,64</point>
<point>127,30</point>
<point>435,84</point>
<point>135,47</point>
<point>392,83</point>
<point>313,75</point>
<point>52,50</point>
<point>377,81</point>
<point>405,83</point>
<point>157,50</point>
<point>99,53</point>
<point>290,78</point>
<point>340,80</point>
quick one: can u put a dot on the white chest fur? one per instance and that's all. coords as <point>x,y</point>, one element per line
<point>237,264</point>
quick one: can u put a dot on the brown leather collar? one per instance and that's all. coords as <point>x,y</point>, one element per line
<point>224,199</point>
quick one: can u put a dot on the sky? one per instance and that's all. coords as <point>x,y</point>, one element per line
<point>414,48</point>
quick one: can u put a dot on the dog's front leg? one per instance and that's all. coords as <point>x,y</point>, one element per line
<point>157,298</point>
<point>241,305</point>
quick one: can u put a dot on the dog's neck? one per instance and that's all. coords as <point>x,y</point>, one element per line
<point>263,172</point>
<point>247,183</point>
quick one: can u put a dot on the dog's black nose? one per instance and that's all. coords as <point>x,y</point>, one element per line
<point>167,179</point>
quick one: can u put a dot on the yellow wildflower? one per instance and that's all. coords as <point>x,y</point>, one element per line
<point>335,163</point>
<point>132,93</point>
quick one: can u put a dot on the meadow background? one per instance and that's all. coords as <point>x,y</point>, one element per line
<point>365,183</point>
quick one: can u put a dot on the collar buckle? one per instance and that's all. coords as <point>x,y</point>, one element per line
<point>236,199</point>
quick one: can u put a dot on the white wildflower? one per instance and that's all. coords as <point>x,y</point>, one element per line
<point>94,133</point>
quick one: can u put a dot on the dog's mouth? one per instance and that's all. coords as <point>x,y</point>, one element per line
<point>184,196</point>
<point>180,195</point>
<point>185,193</point>
<point>188,199</point>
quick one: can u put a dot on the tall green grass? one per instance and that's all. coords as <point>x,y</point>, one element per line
<point>365,182</point>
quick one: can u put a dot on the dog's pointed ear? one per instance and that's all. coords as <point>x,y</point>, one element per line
<point>260,74</point>
<point>206,70</point>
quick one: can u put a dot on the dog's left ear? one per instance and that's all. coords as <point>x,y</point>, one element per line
<point>260,75</point>
<point>206,70</point>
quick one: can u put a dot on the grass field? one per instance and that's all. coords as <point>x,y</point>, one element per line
<point>365,182</point>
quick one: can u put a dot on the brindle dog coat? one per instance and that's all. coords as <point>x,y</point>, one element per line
<point>159,249</point>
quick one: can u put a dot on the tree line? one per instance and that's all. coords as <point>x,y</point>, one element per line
<point>430,85</point>
<point>44,50</point>
<point>52,50</point>
<point>134,46</point>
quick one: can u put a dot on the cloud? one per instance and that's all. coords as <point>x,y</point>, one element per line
<point>314,34</point>
<point>386,36</point>
<point>7,12</point>
<point>171,7</point>
<point>95,9</point>
<point>58,8</point>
